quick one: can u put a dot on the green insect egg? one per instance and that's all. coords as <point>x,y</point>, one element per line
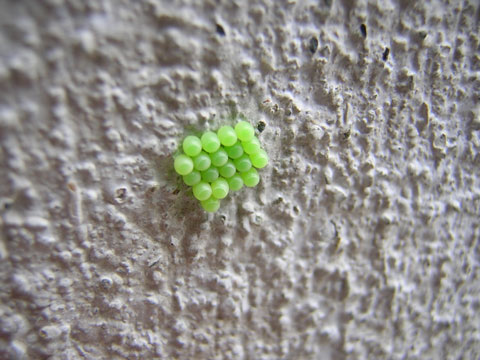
<point>209,175</point>
<point>235,182</point>
<point>243,163</point>
<point>192,145</point>
<point>235,151</point>
<point>227,135</point>
<point>193,178</point>
<point>202,191</point>
<point>250,178</point>
<point>202,161</point>
<point>219,157</point>
<point>211,204</point>
<point>244,130</point>
<point>228,170</point>
<point>210,142</point>
<point>252,146</point>
<point>259,159</point>
<point>220,188</point>
<point>183,164</point>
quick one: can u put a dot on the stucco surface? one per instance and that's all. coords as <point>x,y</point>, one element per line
<point>361,240</point>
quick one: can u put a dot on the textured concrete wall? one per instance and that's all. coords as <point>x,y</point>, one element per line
<point>360,242</point>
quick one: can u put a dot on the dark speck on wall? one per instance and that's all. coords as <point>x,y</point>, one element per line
<point>313,45</point>
<point>220,30</point>
<point>385,54</point>
<point>363,30</point>
<point>261,126</point>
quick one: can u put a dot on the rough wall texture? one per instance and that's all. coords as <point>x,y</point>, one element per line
<point>360,242</point>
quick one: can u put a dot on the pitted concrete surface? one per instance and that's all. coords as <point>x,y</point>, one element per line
<point>361,240</point>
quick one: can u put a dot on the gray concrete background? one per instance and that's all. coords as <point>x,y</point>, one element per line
<point>360,242</point>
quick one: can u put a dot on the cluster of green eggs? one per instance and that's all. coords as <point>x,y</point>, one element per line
<point>217,163</point>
